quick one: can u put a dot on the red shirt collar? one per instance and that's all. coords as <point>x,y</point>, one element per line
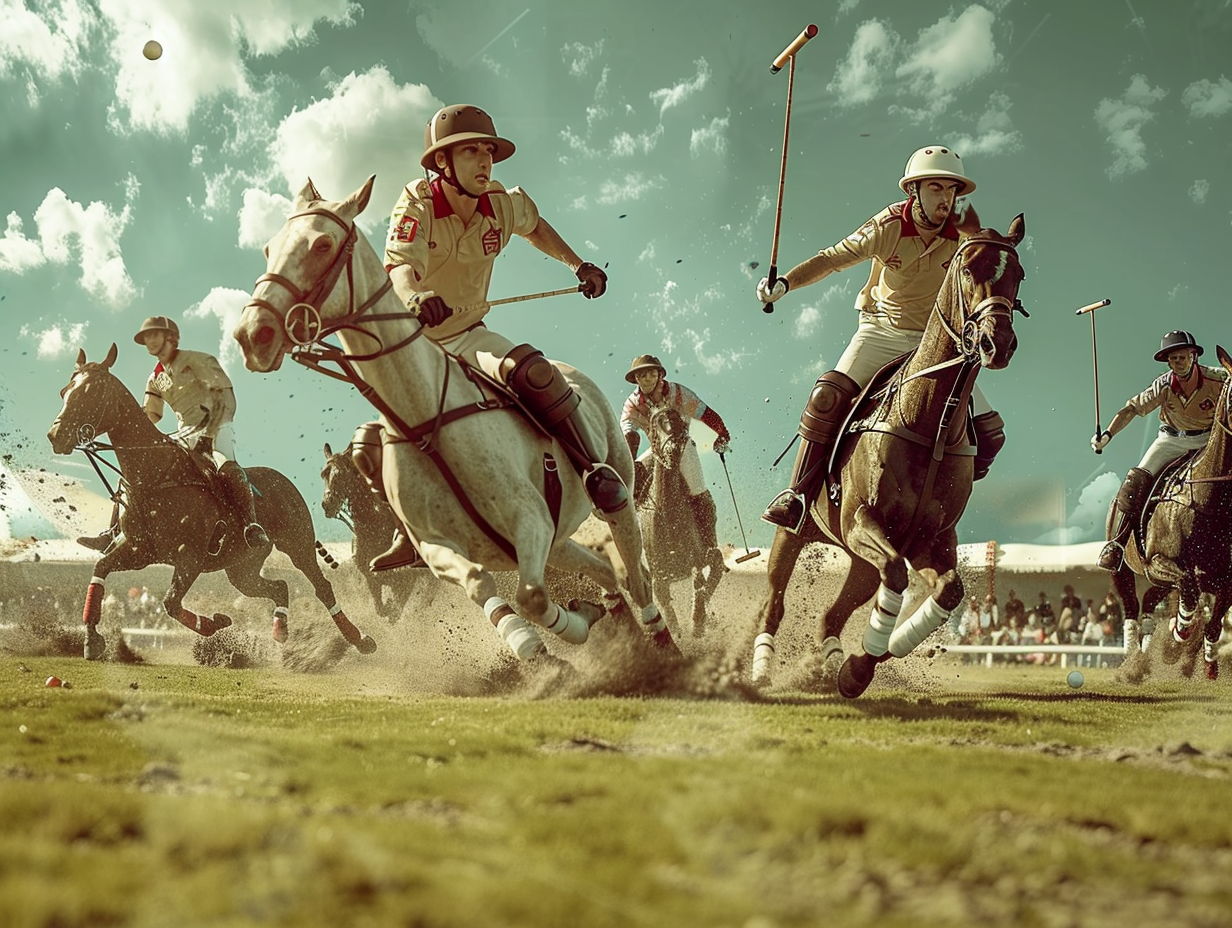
<point>441,207</point>
<point>158,368</point>
<point>1176,381</point>
<point>948,230</point>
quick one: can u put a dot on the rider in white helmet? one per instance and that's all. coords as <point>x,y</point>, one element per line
<point>445,234</point>
<point>910,244</point>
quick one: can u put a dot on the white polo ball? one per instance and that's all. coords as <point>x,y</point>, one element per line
<point>1075,679</point>
<point>153,50</point>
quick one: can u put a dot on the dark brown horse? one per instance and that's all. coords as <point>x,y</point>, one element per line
<point>675,547</point>
<point>172,515</point>
<point>905,471</point>
<point>1186,541</point>
<point>348,498</point>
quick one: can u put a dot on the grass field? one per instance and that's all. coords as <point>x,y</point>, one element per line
<point>172,794</point>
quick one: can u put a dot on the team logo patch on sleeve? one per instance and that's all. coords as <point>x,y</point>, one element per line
<point>405,229</point>
<point>491,241</point>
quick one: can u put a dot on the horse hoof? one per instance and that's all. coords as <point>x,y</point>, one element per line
<point>96,645</point>
<point>221,621</point>
<point>365,645</point>
<point>857,673</point>
<point>590,612</point>
<point>663,640</point>
<point>280,629</point>
<point>1212,670</point>
<point>1180,634</point>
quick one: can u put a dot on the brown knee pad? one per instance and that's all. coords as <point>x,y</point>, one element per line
<point>1134,490</point>
<point>539,385</point>
<point>366,453</point>
<point>827,406</point>
<point>989,440</point>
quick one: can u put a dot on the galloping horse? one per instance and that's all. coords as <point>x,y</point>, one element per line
<point>348,497</point>
<point>171,515</point>
<point>674,546</point>
<point>1185,540</point>
<point>905,472</point>
<point>476,484</point>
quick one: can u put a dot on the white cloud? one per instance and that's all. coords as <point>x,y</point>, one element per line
<point>711,138</point>
<point>262,215</point>
<point>44,41</point>
<point>858,77</point>
<point>1208,98</point>
<point>1086,523</point>
<point>341,139</point>
<point>1198,191</point>
<point>633,186</point>
<point>949,55</point>
<point>807,321</point>
<point>995,133</point>
<point>624,144</point>
<point>1123,121</point>
<point>58,340</point>
<point>668,97</point>
<point>224,304</point>
<point>846,6</point>
<point>580,57</point>
<point>203,49</point>
<point>87,237</point>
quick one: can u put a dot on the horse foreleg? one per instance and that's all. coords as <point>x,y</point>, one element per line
<point>868,540</point>
<point>306,561</point>
<point>627,536</point>
<point>119,558</point>
<point>183,577</point>
<point>1214,631</point>
<point>780,565</point>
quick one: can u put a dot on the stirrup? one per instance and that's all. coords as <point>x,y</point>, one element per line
<point>606,490</point>
<point>787,510</point>
<point>1111,556</point>
<point>254,535</point>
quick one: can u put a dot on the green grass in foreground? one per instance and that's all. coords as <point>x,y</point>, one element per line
<point>232,798</point>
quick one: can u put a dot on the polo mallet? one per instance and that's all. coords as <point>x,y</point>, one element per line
<point>1090,310</point>
<point>748,555</point>
<point>786,55</point>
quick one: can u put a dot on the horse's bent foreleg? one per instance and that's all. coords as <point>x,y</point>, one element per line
<point>940,557</point>
<point>182,578</point>
<point>119,558</point>
<point>868,540</point>
<point>627,536</point>
<point>308,565</point>
<point>780,565</point>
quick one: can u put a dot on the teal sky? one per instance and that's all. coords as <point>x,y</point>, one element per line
<point>649,134</point>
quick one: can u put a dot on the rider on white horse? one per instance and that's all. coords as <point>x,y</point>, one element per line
<point>654,392</point>
<point>1185,397</point>
<point>445,234</point>
<point>910,244</point>
<point>200,394</point>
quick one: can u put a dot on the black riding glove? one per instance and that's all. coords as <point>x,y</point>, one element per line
<point>594,280</point>
<point>430,309</point>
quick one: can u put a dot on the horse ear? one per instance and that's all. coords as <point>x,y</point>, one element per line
<point>111,357</point>
<point>306,195</point>
<point>359,199</point>
<point>81,358</point>
<point>328,454</point>
<point>1224,358</point>
<point>1018,229</point>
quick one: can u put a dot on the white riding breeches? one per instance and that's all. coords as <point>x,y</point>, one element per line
<point>481,347</point>
<point>690,467</point>
<point>1167,447</point>
<point>224,443</point>
<point>876,343</point>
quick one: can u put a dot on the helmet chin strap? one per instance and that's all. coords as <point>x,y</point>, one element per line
<point>450,177</point>
<point>922,217</point>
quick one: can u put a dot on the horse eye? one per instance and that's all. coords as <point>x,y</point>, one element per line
<point>322,245</point>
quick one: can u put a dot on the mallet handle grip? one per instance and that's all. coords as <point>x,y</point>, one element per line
<point>798,43</point>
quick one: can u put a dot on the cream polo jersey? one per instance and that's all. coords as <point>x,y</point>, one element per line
<point>1195,414</point>
<point>638,408</point>
<point>450,258</point>
<point>190,380</point>
<point>906,273</point>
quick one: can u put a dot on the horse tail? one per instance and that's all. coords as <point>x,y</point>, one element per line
<point>326,556</point>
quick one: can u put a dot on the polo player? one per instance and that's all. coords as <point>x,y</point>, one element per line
<point>200,394</point>
<point>445,233</point>
<point>654,391</point>
<point>1185,396</point>
<point>910,244</point>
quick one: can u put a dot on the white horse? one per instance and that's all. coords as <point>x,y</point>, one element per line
<point>475,490</point>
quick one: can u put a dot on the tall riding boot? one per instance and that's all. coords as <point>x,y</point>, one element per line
<point>104,540</point>
<point>367,455</point>
<point>549,398</point>
<point>989,439</point>
<point>401,553</point>
<point>1124,513</point>
<point>704,514</point>
<point>239,492</point>
<point>823,416</point>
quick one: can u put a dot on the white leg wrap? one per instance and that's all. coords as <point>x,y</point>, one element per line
<point>1210,650</point>
<point>570,626</point>
<point>881,622</point>
<point>281,612</point>
<point>1186,616</point>
<point>926,620</point>
<point>652,620</point>
<point>1130,629</point>
<point>829,646</point>
<point>335,610</point>
<point>520,635</point>
<point>763,656</point>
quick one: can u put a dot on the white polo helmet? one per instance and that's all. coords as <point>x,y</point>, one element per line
<point>936,161</point>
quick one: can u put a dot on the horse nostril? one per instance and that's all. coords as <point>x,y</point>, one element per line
<point>265,335</point>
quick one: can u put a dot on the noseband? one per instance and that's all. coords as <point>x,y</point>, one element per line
<point>967,340</point>
<point>303,325</point>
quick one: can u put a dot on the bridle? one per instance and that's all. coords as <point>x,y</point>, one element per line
<point>303,325</point>
<point>967,341</point>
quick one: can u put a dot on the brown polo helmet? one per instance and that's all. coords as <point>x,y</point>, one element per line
<point>461,123</point>
<point>1178,338</point>
<point>644,362</point>
<point>157,324</point>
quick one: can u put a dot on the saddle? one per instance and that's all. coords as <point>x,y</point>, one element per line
<point>1168,482</point>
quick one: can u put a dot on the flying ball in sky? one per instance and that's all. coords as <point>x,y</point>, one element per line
<point>153,50</point>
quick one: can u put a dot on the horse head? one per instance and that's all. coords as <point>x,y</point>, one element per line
<point>90,404</point>
<point>986,273</point>
<point>343,482</point>
<point>305,261</point>
<point>669,434</point>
